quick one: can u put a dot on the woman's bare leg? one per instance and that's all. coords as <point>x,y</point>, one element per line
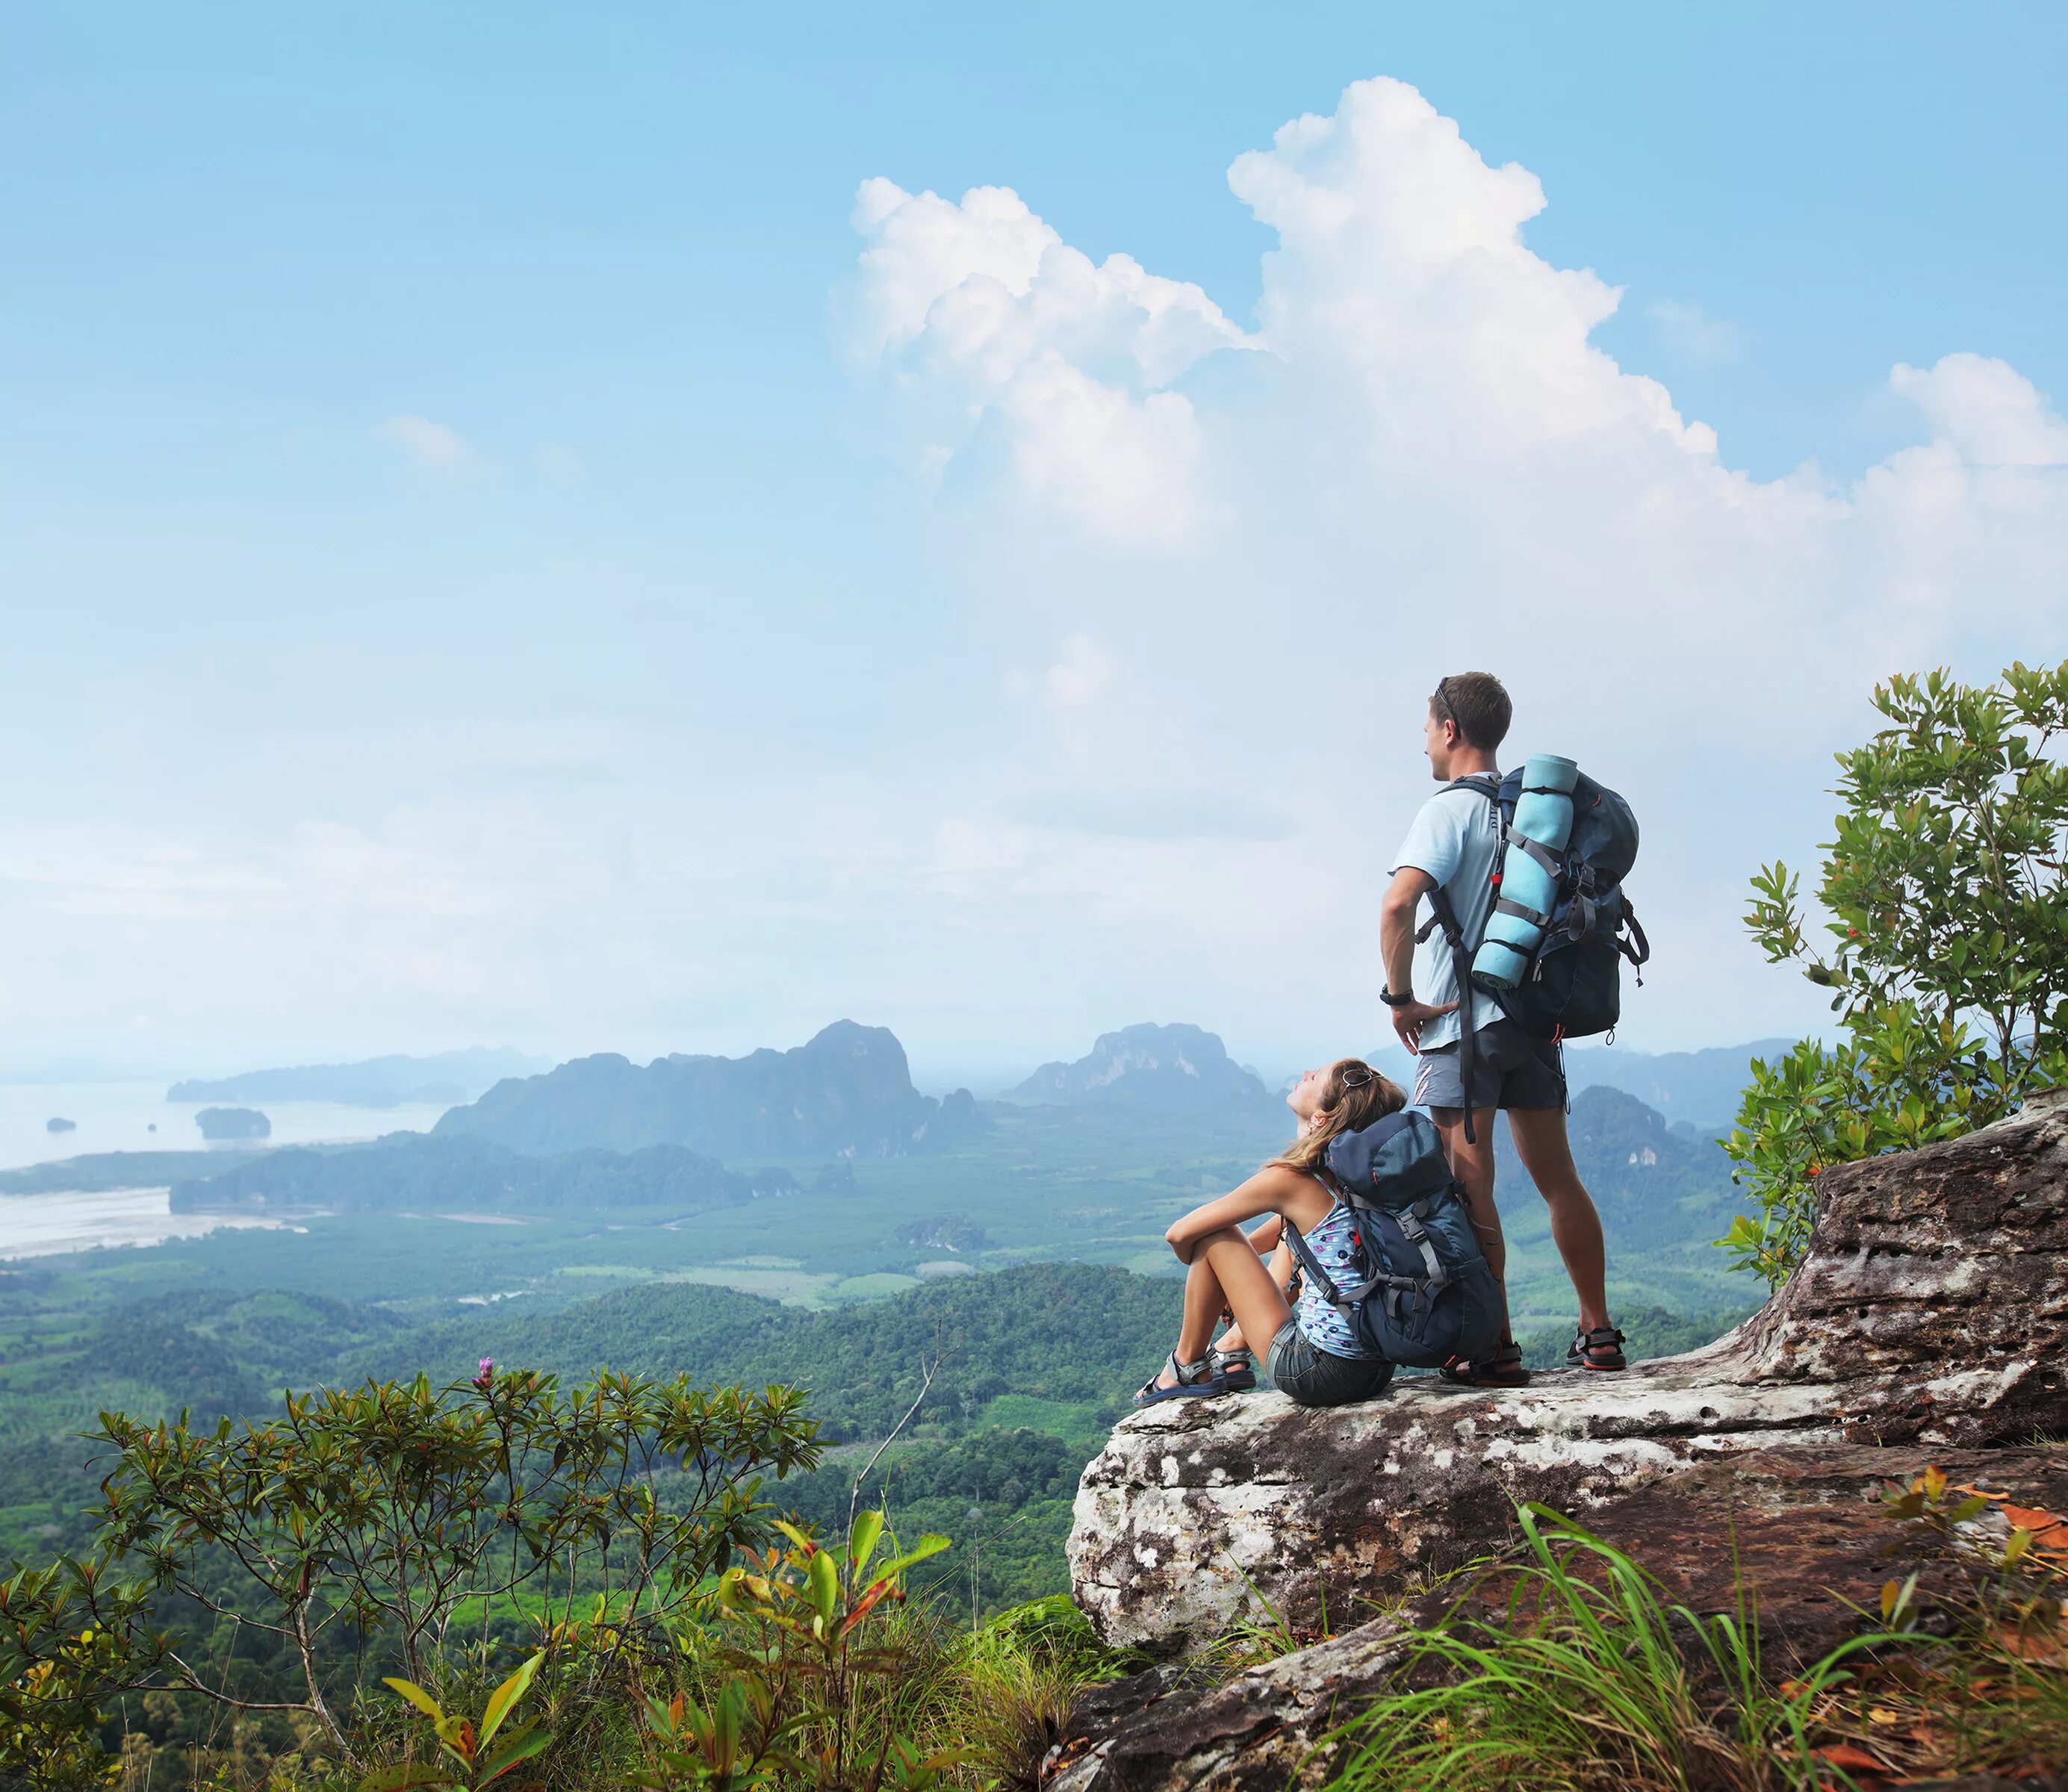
<point>1227,1273</point>
<point>1280,1264</point>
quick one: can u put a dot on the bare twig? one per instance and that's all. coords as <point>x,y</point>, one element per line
<point>926,1385</point>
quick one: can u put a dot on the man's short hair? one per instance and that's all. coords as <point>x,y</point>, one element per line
<point>1477,701</point>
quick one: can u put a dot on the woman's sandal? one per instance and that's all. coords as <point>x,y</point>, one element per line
<point>1499,1367</point>
<point>1191,1381</point>
<point>1600,1348</point>
<point>1234,1370</point>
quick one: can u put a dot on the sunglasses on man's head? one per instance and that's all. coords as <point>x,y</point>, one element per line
<point>1442,697</point>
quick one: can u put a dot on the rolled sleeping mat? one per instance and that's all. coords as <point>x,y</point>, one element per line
<point>1522,907</point>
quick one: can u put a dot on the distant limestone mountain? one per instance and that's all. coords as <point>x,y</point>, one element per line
<point>1657,1188</point>
<point>1174,1066</point>
<point>233,1123</point>
<point>445,1078</point>
<point>848,1093</point>
<point>1701,1087</point>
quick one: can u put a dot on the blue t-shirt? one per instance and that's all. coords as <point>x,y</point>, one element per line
<point>1455,839</point>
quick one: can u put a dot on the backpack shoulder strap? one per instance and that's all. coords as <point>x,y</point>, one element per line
<point>1311,1265</point>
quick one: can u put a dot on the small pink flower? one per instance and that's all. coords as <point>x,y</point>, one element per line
<point>486,1373</point>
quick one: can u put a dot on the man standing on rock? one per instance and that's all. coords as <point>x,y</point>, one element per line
<point>1453,845</point>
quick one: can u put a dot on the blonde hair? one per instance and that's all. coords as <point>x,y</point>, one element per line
<point>1354,1096</point>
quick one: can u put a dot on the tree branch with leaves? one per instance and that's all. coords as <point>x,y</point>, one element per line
<point>1948,918</point>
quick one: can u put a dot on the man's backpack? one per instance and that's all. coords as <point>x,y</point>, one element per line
<point>1573,987</point>
<point>1426,1293</point>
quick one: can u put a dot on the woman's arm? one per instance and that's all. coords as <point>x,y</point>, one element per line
<point>1273,1189</point>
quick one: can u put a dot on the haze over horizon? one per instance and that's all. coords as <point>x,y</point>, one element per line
<point>653,535</point>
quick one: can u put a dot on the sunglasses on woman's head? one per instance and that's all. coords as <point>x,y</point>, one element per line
<point>1358,1076</point>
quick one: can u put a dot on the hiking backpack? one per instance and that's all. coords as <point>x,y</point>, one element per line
<point>1573,987</point>
<point>1426,1293</point>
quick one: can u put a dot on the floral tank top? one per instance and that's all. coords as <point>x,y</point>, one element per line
<point>1334,1249</point>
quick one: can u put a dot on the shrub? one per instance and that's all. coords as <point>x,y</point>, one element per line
<point>396,1520</point>
<point>1948,912</point>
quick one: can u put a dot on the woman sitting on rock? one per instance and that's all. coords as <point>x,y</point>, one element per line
<point>1313,1357</point>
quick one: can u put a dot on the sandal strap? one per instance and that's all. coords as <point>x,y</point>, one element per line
<point>1189,1375</point>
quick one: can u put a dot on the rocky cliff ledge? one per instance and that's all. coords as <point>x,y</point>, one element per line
<point>1931,1311</point>
<point>1928,1323</point>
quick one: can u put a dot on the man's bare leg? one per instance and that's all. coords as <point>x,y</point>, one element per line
<point>1472,1163</point>
<point>1576,1227</point>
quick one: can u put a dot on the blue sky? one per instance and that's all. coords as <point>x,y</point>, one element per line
<point>466,581</point>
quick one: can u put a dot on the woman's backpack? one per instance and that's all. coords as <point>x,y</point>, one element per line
<point>1426,1293</point>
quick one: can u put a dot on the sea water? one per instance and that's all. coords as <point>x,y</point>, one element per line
<point>47,1225</point>
<point>119,1116</point>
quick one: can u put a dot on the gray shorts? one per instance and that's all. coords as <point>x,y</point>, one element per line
<point>1309,1375</point>
<point>1509,1070</point>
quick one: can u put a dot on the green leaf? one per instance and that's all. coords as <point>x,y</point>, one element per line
<point>518,1746</point>
<point>506,1695</point>
<point>824,1586</point>
<point>930,1545</point>
<point>862,1539</point>
<point>418,1698</point>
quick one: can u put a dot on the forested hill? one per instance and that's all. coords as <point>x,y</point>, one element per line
<point>408,1170</point>
<point>848,1091</point>
<point>1035,1363</point>
<point>1076,1334</point>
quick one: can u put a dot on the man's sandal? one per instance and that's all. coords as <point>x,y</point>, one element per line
<point>1191,1381</point>
<point>1501,1368</point>
<point>1600,1348</point>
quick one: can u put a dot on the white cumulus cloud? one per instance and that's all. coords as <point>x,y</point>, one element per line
<point>978,310</point>
<point>1419,460</point>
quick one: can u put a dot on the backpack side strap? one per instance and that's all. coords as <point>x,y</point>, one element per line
<point>1442,915</point>
<point>1637,949</point>
<point>1410,1221</point>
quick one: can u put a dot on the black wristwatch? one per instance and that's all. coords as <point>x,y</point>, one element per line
<point>1393,1000</point>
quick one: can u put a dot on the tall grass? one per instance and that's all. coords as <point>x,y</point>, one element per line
<point>1592,1681</point>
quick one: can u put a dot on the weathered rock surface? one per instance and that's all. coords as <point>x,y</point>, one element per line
<point>1254,1731</point>
<point>1932,1312</point>
<point>1803,1536</point>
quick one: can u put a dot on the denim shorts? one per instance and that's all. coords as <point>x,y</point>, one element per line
<point>1509,1070</point>
<point>1309,1375</point>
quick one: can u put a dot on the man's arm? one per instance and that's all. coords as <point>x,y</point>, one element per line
<point>1396,945</point>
